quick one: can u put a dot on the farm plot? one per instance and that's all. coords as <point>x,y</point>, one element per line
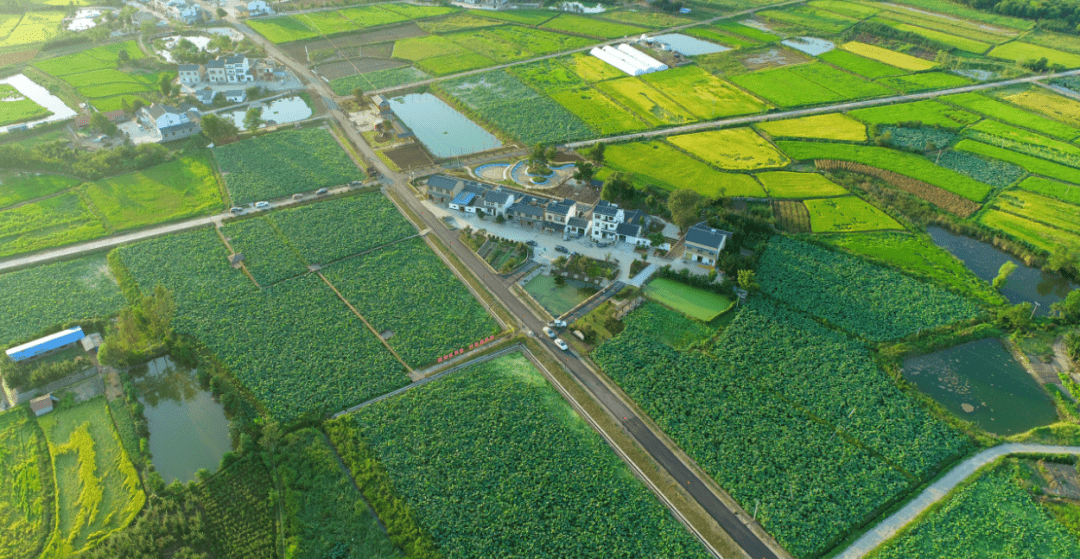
<point>658,20</point>
<point>597,110</point>
<point>17,108</point>
<point>658,164</point>
<point>691,301</point>
<point>1066,192</point>
<point>1012,114</point>
<point>805,17</point>
<point>1033,164</point>
<point>44,297</point>
<point>892,58</point>
<point>51,222</point>
<point>34,27</point>
<point>918,255</point>
<point>524,17</point>
<point>26,486</point>
<point>93,74</point>
<point>1052,105</point>
<point>767,360</point>
<point>859,64</point>
<point>515,108</point>
<point>967,27</point>
<point>267,256</point>
<point>1036,234</point>
<point>792,216</point>
<point>807,84</point>
<point>1018,52</point>
<point>925,81</point>
<point>1040,208</point>
<point>456,22</point>
<point>833,126</point>
<point>845,8</point>
<point>97,489</point>
<point>983,519</point>
<point>1016,139</point>
<point>702,94</point>
<point>282,29</point>
<point>239,510</point>
<point>989,171</point>
<point>850,293</point>
<point>649,104</point>
<point>415,301</point>
<point>590,68</point>
<point>181,188</point>
<point>787,184</point>
<point>462,459</point>
<point>30,186</point>
<point>329,231</point>
<point>378,79</point>
<point>928,112</point>
<point>735,148</point>
<point>848,213</point>
<point>657,322</point>
<point>592,27</point>
<point>713,35</point>
<point>907,164</point>
<point>746,31</point>
<point>962,43</point>
<point>284,163</point>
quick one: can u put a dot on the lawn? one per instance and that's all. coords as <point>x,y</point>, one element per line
<point>846,214</point>
<point>582,25</point>
<point>1052,105</point>
<point>20,188</point>
<point>1053,189</point>
<point>925,81</point>
<point>734,148</point>
<point>184,187</point>
<point>1033,164</point>
<point>907,164</point>
<point>1017,52</point>
<point>691,301</point>
<point>1012,114</point>
<point>97,489</point>
<point>928,112</point>
<point>807,84</point>
<point>47,223</point>
<point>832,126</point>
<point>26,486</point>
<point>14,107</point>
<point>284,163</point>
<point>658,164</point>
<point>859,64</point>
<point>787,184</point>
<point>703,94</point>
<point>649,104</point>
<point>892,58</point>
<point>473,458</point>
<point>334,229</point>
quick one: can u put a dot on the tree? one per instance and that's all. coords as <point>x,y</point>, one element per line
<point>122,57</point>
<point>165,84</point>
<point>358,94</point>
<point>136,105</point>
<point>219,130</point>
<point>1016,317</point>
<point>101,123</point>
<point>583,171</point>
<point>1069,307</point>
<point>560,281</point>
<point>596,153</point>
<point>1064,258</point>
<point>551,153</point>
<point>253,118</point>
<point>683,205</point>
<point>617,187</point>
<point>1003,274</point>
<point>538,156</point>
<point>747,280</point>
<point>221,13</point>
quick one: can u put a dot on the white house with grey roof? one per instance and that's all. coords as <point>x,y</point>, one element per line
<point>704,243</point>
<point>610,223</point>
<point>191,74</point>
<point>170,122</point>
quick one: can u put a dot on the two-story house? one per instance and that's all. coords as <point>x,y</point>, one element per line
<point>704,243</point>
<point>526,211</point>
<point>259,8</point>
<point>557,213</point>
<point>495,202</point>
<point>191,74</point>
<point>238,69</point>
<point>605,218</point>
<point>215,71</point>
<point>383,104</point>
<point>171,123</point>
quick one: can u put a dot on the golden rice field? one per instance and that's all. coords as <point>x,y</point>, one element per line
<point>892,58</point>
<point>1055,106</point>
<point>847,214</point>
<point>788,184</point>
<point>834,126</point>
<point>739,149</point>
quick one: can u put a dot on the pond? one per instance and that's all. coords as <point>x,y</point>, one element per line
<point>557,300</point>
<point>810,45</point>
<point>39,95</point>
<point>981,382</point>
<point>279,111</point>
<point>689,46</point>
<point>188,429</point>
<point>443,131</point>
<point>84,19</point>
<point>1025,285</point>
<point>200,42</point>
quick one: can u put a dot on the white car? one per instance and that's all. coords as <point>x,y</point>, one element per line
<point>262,205</point>
<point>549,332</point>
<point>560,323</point>
<point>562,345</point>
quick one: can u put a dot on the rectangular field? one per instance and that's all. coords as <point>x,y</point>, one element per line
<point>598,111</point>
<point>925,81</point>
<point>962,43</point>
<point>48,223</point>
<point>703,94</point>
<point>1040,208</point>
<point>33,27</point>
<point>691,301</point>
<point>787,184</point>
<point>649,104</point>
<point>282,29</point>
<point>807,84</point>
<point>658,164</point>
<point>1066,192</point>
<point>1033,164</point>
<point>1012,114</point>
<point>846,214</point>
<point>859,64</point>
<point>461,458</point>
<point>590,68</point>
<point>592,27</point>
<point>833,126</point>
<point>1049,104</point>
<point>267,255</point>
<point>1017,52</point>
<point>735,148</point>
<point>892,58</point>
<point>928,112</point>
<point>1037,234</point>
<point>20,188</point>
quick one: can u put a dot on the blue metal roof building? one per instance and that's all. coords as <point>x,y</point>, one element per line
<point>463,199</point>
<point>46,344</point>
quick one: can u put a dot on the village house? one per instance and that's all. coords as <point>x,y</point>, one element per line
<point>191,74</point>
<point>704,243</point>
<point>171,123</point>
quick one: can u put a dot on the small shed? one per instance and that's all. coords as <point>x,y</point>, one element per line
<point>42,405</point>
<point>91,342</point>
<point>236,259</point>
<point>235,95</point>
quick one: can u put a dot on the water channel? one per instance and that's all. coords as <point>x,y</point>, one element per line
<point>443,131</point>
<point>1025,285</point>
<point>38,94</point>
<point>981,382</point>
<point>188,429</point>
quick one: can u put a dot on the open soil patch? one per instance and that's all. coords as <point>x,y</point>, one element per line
<point>409,157</point>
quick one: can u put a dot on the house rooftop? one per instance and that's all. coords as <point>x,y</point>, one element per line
<point>496,197</point>
<point>703,235</point>
<point>561,207</point>
<point>628,230</point>
<point>464,198</point>
<point>524,208</point>
<point>216,63</point>
<point>603,207</point>
<point>188,67</point>
<point>577,222</point>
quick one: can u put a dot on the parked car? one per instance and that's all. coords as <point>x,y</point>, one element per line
<point>321,191</point>
<point>562,345</point>
<point>560,323</point>
<point>262,205</point>
<point>297,196</point>
<point>236,209</point>
<point>560,248</point>
<point>356,183</point>
<point>549,332</point>
<point>530,243</point>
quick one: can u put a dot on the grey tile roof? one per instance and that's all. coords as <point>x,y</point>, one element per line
<point>560,207</point>
<point>577,222</point>
<point>703,235</point>
<point>442,182</point>
<point>633,217</point>
<point>216,63</point>
<point>603,207</point>
<point>628,230</point>
<point>523,208</point>
<point>188,68</point>
<point>496,197</point>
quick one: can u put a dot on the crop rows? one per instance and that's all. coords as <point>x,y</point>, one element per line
<point>923,138</point>
<point>952,203</point>
<point>792,215</point>
<point>989,171</point>
<point>267,256</point>
<point>862,298</point>
<point>927,112</point>
<point>657,322</point>
<point>25,486</point>
<point>329,231</point>
<point>1061,191</point>
<point>239,510</point>
<point>808,84</point>
<point>1037,234</point>
<point>1033,164</point>
<point>1011,114</point>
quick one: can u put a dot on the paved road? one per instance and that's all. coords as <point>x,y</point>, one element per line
<point>939,489</point>
<point>819,110</point>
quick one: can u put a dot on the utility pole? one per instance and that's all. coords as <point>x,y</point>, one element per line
<point>1034,309</point>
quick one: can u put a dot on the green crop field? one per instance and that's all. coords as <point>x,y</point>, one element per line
<point>26,486</point>
<point>548,75</point>
<point>925,81</point>
<point>1052,105</point>
<point>463,458</point>
<point>968,28</point>
<point>859,64</point>
<point>329,231</point>
<point>928,112</point>
<point>733,148</point>
<point>703,94</point>
<point>892,58</point>
<point>986,518</point>
<point>1012,114</point>
<point>239,510</point>
<point>267,256</point>
<point>21,188</point>
<point>282,29</point>
<point>97,58</point>
<point>48,223</point>
<point>456,22</point>
<point>962,43</point>
<point>808,84</point>
<point>1053,189</point>
<point>18,108</point>
<point>1040,208</point>
<point>657,20</point>
<point>787,184</point>
<point>598,111</point>
<point>185,187</point>
<point>271,339</point>
<point>649,104</point>
<point>746,31</point>
<point>657,322</point>
<point>833,126</point>
<point>47,296</point>
<point>918,255</point>
<point>97,488</point>
<point>377,79</point>
<point>525,17</point>
<point>744,415</point>
<point>906,164</point>
<point>582,25</point>
<point>1016,139</point>
<point>94,74</point>
<point>658,164</point>
<point>33,27</point>
<point>1017,52</point>
<point>805,17</point>
<point>848,213</point>
<point>849,293</point>
<point>414,300</point>
<point>590,68</point>
<point>284,163</point>
<point>691,301</point>
<point>1037,234</point>
<point>846,8</point>
<point>713,35</point>
<point>989,171</point>
<point>1033,164</point>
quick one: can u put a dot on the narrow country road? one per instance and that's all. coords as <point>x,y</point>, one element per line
<point>939,489</point>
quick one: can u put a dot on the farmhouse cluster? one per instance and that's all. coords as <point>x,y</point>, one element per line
<point>234,69</point>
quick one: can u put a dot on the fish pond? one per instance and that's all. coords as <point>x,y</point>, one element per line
<point>443,131</point>
<point>279,111</point>
<point>188,428</point>
<point>981,382</point>
<point>555,298</point>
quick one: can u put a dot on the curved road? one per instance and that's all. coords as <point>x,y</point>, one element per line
<point>939,490</point>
